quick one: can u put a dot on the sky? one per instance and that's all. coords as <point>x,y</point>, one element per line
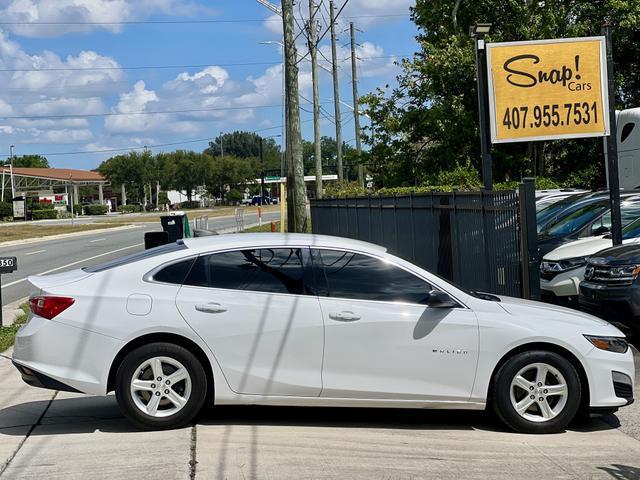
<point>79,78</point>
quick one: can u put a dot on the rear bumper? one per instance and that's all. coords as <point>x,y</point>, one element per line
<point>51,354</point>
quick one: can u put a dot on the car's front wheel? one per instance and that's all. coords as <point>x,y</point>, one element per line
<point>537,392</point>
<point>160,386</point>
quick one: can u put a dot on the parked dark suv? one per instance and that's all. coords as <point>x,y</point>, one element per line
<point>611,287</point>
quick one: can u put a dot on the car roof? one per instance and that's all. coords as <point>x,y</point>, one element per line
<point>249,240</point>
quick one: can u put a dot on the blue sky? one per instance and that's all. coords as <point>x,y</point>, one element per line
<point>68,87</point>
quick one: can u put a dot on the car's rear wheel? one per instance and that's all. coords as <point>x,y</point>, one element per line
<point>160,386</point>
<point>537,392</point>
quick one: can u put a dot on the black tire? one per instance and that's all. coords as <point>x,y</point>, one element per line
<point>125,398</point>
<point>501,393</point>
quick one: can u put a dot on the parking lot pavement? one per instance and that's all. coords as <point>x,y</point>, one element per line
<point>69,436</point>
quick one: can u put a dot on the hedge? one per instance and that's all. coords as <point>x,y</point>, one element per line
<point>6,210</point>
<point>77,208</point>
<point>44,214</point>
<point>95,209</point>
<point>130,208</point>
<point>190,205</point>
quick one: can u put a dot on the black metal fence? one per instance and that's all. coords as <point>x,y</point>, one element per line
<point>478,240</point>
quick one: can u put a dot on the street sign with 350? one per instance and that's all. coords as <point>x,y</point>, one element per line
<point>8,264</point>
<point>548,89</point>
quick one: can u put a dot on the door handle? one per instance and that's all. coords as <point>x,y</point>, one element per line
<point>345,316</point>
<point>210,308</point>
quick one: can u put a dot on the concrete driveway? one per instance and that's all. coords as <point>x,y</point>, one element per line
<point>54,435</point>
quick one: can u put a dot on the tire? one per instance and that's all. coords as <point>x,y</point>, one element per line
<point>545,406</point>
<point>171,402</point>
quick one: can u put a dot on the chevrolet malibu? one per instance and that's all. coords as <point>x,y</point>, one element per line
<point>275,319</point>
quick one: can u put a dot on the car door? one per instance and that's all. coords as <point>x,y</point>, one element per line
<point>382,341</point>
<point>256,311</point>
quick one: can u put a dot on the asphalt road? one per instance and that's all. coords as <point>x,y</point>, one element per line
<point>54,256</point>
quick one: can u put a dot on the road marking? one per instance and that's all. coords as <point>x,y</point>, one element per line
<point>33,253</point>
<point>74,263</point>
<point>97,240</point>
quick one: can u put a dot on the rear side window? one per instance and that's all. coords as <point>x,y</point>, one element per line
<point>174,273</point>
<point>152,252</point>
<point>352,275</point>
<point>272,270</point>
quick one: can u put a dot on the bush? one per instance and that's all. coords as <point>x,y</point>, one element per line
<point>95,209</point>
<point>77,209</point>
<point>342,189</point>
<point>130,208</point>
<point>542,183</point>
<point>47,214</point>
<point>6,209</point>
<point>41,206</point>
<point>190,205</point>
<point>591,178</point>
<point>234,195</point>
<point>462,177</point>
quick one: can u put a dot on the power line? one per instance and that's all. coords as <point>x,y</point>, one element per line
<point>158,145</point>
<point>152,67</point>
<point>326,30</point>
<point>181,22</point>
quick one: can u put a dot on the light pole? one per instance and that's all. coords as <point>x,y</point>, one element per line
<point>478,31</point>
<point>262,167</point>
<point>221,149</point>
<point>13,186</point>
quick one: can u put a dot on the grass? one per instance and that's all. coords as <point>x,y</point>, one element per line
<point>265,227</point>
<point>21,232</point>
<point>8,334</point>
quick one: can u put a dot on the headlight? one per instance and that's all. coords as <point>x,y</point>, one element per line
<point>611,344</point>
<point>563,265</point>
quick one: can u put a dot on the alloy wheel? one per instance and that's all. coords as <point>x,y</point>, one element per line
<point>160,387</point>
<point>538,392</point>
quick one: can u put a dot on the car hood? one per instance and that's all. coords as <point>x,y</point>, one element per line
<point>528,309</point>
<point>625,254</point>
<point>579,248</point>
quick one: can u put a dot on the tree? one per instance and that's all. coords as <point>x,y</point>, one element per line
<point>241,144</point>
<point>230,171</point>
<point>429,121</point>
<point>329,150</point>
<point>28,161</point>
<point>133,170</point>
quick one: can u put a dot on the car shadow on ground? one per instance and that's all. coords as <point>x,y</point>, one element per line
<point>85,414</point>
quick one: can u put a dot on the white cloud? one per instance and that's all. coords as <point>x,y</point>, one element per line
<point>107,12</point>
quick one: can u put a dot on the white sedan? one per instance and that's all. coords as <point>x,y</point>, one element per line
<point>276,319</point>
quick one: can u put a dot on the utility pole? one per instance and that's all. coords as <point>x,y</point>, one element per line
<point>336,89</point>
<point>13,185</point>
<point>313,46</point>
<point>296,204</point>
<point>221,149</point>
<point>261,173</point>
<point>356,106</point>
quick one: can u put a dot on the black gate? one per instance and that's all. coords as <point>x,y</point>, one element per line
<point>477,240</point>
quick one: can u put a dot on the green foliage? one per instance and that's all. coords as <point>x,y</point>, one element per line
<point>8,334</point>
<point>234,195</point>
<point>28,161</point>
<point>591,177</point>
<point>44,214</point>
<point>343,189</point>
<point>464,177</point>
<point>130,208</point>
<point>542,183</point>
<point>329,151</point>
<point>6,209</point>
<point>428,122</point>
<point>246,145</point>
<point>95,209</point>
<point>77,209</point>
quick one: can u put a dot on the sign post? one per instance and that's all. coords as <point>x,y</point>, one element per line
<point>556,89</point>
<point>7,265</point>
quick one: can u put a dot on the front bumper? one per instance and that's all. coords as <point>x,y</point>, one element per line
<point>562,288</point>
<point>605,390</point>
<point>618,305</point>
<point>63,357</point>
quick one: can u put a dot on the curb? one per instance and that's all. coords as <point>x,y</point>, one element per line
<point>13,243</point>
<point>11,311</point>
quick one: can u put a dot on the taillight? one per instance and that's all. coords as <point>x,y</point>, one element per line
<point>48,307</point>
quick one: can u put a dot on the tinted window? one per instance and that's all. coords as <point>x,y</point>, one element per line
<point>576,220</point>
<point>152,252</point>
<point>626,131</point>
<point>174,273</point>
<point>351,275</point>
<point>277,270</point>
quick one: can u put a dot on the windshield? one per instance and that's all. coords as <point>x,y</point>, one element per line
<point>632,230</point>
<point>576,220</point>
<point>550,212</point>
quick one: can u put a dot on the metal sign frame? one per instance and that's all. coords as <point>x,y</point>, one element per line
<point>603,87</point>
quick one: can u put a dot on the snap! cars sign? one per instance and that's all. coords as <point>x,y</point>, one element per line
<point>548,89</point>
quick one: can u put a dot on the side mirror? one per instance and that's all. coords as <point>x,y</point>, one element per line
<point>438,299</point>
